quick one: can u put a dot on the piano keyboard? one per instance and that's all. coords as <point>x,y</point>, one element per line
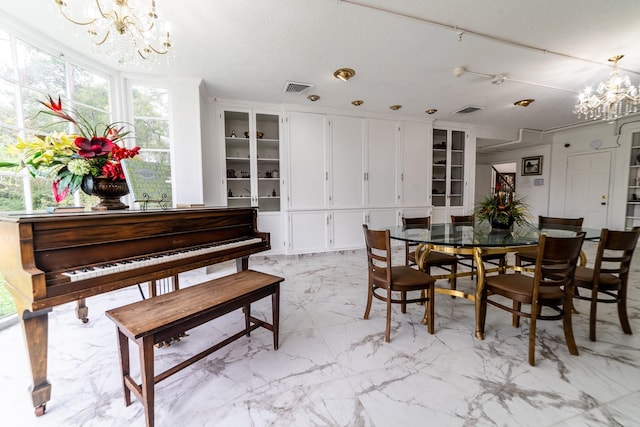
<point>116,267</point>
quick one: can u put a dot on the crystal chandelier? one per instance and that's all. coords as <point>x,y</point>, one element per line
<point>126,29</point>
<point>613,98</point>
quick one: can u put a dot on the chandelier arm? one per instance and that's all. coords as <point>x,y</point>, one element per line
<point>104,39</point>
<point>62,12</point>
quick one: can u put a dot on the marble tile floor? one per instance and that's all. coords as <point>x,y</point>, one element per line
<point>333,368</point>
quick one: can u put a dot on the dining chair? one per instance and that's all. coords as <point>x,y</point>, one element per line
<point>550,286</point>
<point>386,281</point>
<point>528,256</point>
<point>468,260</point>
<point>434,258</point>
<point>606,281</point>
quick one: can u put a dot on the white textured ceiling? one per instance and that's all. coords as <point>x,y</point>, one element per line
<point>248,49</point>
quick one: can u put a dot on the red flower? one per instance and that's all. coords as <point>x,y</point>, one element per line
<point>56,109</point>
<point>97,146</point>
<point>59,193</point>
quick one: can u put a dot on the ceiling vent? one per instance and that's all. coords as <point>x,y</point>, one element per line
<point>468,109</point>
<point>296,87</point>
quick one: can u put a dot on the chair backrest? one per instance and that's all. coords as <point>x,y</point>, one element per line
<point>378,244</point>
<point>462,219</point>
<point>615,251</point>
<point>555,222</point>
<point>556,261</point>
<point>409,247</point>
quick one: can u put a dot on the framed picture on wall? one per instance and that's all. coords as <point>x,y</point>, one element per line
<point>532,165</point>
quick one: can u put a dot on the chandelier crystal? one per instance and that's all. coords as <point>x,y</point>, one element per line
<point>612,99</point>
<point>126,29</point>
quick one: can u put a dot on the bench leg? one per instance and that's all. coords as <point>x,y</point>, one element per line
<point>247,318</point>
<point>275,309</point>
<point>146,370</point>
<point>123,347</point>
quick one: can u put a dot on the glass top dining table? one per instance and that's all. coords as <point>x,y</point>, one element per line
<point>478,239</point>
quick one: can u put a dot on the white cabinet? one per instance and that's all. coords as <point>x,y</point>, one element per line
<point>308,231</point>
<point>381,163</point>
<point>347,162</point>
<point>307,160</point>
<point>416,155</point>
<point>251,158</point>
<point>448,183</point>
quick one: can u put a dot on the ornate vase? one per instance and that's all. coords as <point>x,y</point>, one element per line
<point>501,227</point>
<point>108,191</point>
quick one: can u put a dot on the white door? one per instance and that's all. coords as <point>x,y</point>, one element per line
<point>587,188</point>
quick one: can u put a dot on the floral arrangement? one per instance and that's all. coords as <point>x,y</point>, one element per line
<point>502,208</point>
<point>73,160</point>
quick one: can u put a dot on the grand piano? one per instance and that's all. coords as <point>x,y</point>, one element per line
<point>52,259</point>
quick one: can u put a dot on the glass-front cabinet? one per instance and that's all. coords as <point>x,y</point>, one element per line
<point>447,175</point>
<point>633,190</point>
<point>252,159</point>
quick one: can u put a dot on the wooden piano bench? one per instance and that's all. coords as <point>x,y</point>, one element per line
<point>157,319</point>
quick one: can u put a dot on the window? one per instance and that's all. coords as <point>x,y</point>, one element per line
<point>28,75</point>
<point>150,107</point>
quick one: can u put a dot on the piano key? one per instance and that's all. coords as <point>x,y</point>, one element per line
<point>125,265</point>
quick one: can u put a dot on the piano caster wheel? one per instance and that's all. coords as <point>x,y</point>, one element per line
<point>85,320</point>
<point>39,410</point>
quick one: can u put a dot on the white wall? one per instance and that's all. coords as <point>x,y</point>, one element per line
<point>549,199</point>
<point>535,196</point>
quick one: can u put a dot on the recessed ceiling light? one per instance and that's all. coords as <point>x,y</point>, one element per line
<point>395,107</point>
<point>431,111</point>
<point>524,102</point>
<point>344,74</point>
<point>313,97</point>
<point>357,102</point>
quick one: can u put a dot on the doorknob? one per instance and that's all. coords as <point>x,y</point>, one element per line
<point>603,199</point>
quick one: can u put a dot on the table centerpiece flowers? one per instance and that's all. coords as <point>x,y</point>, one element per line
<point>502,209</point>
<point>75,161</point>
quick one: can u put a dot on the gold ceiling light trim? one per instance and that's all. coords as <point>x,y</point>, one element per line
<point>524,102</point>
<point>313,98</point>
<point>357,102</point>
<point>344,74</point>
<point>395,107</point>
<point>431,111</point>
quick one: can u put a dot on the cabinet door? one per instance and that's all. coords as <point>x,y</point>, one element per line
<point>306,163</point>
<point>416,156</point>
<point>237,156</point>
<point>439,168</point>
<point>381,163</point>
<point>267,162</point>
<point>457,172</point>
<point>346,228</point>
<point>347,158</point>
<point>308,231</point>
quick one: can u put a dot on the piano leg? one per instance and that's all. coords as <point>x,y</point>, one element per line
<point>242,263</point>
<point>35,326</point>
<point>82,311</point>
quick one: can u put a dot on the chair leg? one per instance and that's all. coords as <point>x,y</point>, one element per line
<point>367,310</point>
<point>567,324</point>
<point>403,305</point>
<point>431,307</point>
<point>592,313</point>
<point>516,318</point>
<point>483,310</point>
<point>622,311</point>
<point>387,334</point>
<point>453,280</point>
<point>532,334</point>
